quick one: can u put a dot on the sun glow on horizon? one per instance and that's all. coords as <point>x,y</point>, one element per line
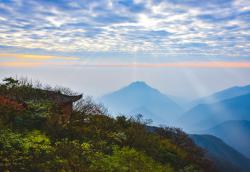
<point>194,64</point>
<point>35,56</point>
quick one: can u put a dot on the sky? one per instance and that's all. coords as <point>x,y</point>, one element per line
<point>187,48</point>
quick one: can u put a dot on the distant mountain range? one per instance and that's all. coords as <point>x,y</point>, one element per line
<point>225,158</point>
<point>227,118</point>
<point>235,134</point>
<point>223,95</point>
<point>204,116</point>
<point>139,98</point>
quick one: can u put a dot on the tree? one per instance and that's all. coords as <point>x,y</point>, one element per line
<point>10,82</point>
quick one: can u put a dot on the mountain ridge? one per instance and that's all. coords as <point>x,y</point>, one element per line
<point>205,116</point>
<point>223,95</point>
<point>235,133</point>
<point>225,157</point>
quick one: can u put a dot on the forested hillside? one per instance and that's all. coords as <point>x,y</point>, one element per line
<point>32,138</point>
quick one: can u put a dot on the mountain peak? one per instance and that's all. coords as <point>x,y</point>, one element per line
<point>139,83</point>
<point>140,98</point>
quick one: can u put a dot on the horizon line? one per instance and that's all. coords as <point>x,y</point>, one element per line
<point>193,64</point>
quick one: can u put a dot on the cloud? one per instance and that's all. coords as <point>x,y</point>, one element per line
<point>159,27</point>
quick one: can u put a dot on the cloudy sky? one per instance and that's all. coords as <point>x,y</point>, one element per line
<point>183,47</point>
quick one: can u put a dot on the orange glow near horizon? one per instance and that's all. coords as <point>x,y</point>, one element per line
<point>20,64</point>
<point>35,57</point>
<point>214,64</point>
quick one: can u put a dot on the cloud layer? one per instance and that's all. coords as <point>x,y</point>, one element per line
<point>162,28</point>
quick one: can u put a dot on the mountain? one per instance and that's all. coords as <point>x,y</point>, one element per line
<point>181,101</point>
<point>138,97</point>
<point>223,95</point>
<point>147,114</point>
<point>225,158</point>
<point>235,134</point>
<point>205,116</point>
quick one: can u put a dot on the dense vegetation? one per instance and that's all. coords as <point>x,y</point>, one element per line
<point>32,140</point>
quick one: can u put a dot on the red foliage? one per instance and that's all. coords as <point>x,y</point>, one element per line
<point>4,101</point>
